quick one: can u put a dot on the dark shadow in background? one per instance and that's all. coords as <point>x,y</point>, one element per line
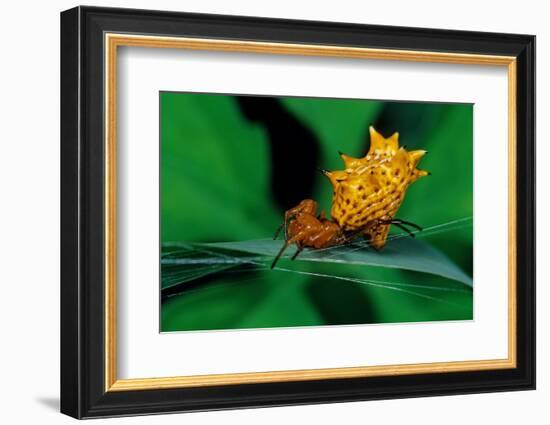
<point>295,150</point>
<point>411,123</point>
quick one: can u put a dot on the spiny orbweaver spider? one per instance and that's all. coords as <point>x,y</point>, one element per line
<point>366,197</point>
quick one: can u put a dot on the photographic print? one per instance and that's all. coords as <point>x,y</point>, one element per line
<point>294,211</point>
<point>313,216</point>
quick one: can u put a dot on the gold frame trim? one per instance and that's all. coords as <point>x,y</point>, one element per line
<point>113,41</point>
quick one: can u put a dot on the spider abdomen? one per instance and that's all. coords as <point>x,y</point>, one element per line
<point>370,190</point>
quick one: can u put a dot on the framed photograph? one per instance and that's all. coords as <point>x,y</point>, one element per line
<point>261,212</point>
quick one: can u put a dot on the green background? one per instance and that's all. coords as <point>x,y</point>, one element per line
<point>216,185</point>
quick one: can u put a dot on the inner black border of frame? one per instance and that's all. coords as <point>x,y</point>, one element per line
<point>82,206</point>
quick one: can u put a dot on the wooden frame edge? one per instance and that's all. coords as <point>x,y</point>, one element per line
<point>114,40</point>
<point>306,375</point>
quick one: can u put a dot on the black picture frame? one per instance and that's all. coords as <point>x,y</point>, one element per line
<point>83,392</point>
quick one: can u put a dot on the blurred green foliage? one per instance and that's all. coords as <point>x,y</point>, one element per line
<point>216,169</point>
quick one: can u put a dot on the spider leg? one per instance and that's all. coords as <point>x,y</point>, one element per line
<point>407,223</point>
<point>411,234</point>
<point>286,223</point>
<point>300,249</point>
<point>352,235</point>
<point>401,223</point>
<point>283,248</point>
<point>276,235</point>
<point>292,240</point>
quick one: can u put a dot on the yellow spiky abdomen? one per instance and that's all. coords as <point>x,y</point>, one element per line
<point>370,190</point>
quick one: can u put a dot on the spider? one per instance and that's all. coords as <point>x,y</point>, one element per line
<point>305,229</point>
<point>367,194</point>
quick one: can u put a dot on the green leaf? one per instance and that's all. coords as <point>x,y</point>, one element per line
<point>214,170</point>
<point>400,253</point>
<point>241,297</point>
<point>216,186</point>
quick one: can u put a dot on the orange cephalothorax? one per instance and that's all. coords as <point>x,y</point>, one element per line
<point>369,191</point>
<point>304,228</point>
